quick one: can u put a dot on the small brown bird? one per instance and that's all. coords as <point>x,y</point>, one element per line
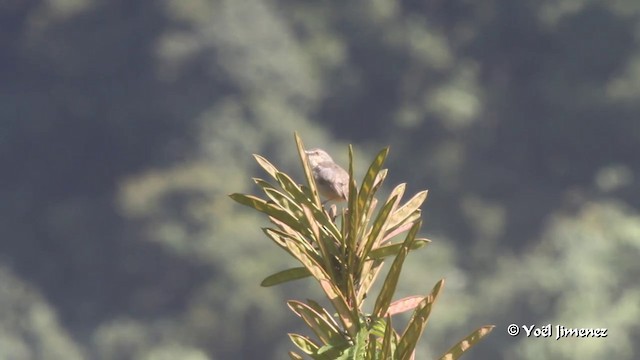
<point>332,180</point>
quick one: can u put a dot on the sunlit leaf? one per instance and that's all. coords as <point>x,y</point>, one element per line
<point>266,165</point>
<point>330,289</point>
<point>388,341</point>
<point>353,215</point>
<point>391,281</point>
<point>323,329</point>
<point>250,201</point>
<point>465,344</point>
<point>367,190</point>
<point>295,356</point>
<point>378,227</point>
<point>417,324</point>
<point>307,170</point>
<point>366,193</point>
<point>360,346</point>
<point>406,210</point>
<point>405,304</point>
<point>304,343</point>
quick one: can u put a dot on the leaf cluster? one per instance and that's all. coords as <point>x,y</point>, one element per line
<point>346,259</point>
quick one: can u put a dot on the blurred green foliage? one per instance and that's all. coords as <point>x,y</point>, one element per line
<point>124,125</point>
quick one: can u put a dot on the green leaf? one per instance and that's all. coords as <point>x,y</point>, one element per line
<point>388,341</point>
<point>304,343</point>
<point>360,346</point>
<point>391,281</point>
<point>286,221</point>
<point>307,170</point>
<point>283,240</point>
<point>353,216</point>
<point>324,330</point>
<point>378,327</point>
<point>284,202</point>
<point>323,312</point>
<point>378,227</point>
<point>370,184</point>
<point>393,249</point>
<point>330,289</point>
<point>406,210</point>
<point>266,165</point>
<point>417,323</point>
<point>366,189</point>
<point>327,245</point>
<point>369,274</point>
<point>292,188</point>
<point>331,352</point>
<point>465,344</point>
<point>250,201</point>
<point>285,276</point>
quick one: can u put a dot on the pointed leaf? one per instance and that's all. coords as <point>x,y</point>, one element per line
<point>465,344</point>
<point>378,227</point>
<point>398,191</point>
<point>285,276</point>
<point>331,352</point>
<point>396,231</point>
<point>285,240</point>
<point>387,347</point>
<point>360,346</point>
<point>327,245</point>
<point>250,201</point>
<point>307,170</point>
<point>284,202</point>
<point>323,329</point>
<point>387,250</point>
<point>266,165</point>
<point>406,210</point>
<point>417,323</point>
<point>391,281</point>
<point>295,356</point>
<point>369,187</point>
<point>330,289</point>
<point>322,311</point>
<point>405,304</point>
<point>368,277</point>
<point>366,193</point>
<point>304,343</point>
<point>354,215</point>
<point>292,188</point>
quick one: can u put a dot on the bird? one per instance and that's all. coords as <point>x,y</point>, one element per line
<point>331,180</point>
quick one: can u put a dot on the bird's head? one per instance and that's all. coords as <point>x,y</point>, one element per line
<point>316,156</point>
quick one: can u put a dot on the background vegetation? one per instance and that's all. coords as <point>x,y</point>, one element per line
<point>125,124</point>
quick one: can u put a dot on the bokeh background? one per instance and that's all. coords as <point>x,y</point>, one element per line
<point>125,124</point>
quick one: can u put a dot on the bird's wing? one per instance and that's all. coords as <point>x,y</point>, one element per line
<point>334,176</point>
